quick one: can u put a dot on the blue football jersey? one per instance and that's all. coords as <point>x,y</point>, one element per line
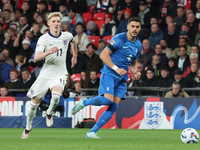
<point>123,53</point>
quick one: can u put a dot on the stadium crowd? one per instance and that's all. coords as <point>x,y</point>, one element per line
<point>170,36</point>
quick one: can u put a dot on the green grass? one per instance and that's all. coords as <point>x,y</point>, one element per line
<point>118,139</point>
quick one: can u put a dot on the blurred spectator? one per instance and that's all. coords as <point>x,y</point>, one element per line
<point>171,36</point>
<point>63,8</point>
<point>55,4</point>
<point>64,27</point>
<point>101,5</point>
<point>9,7</point>
<point>6,52</point>
<point>109,28</point>
<point>163,57</point>
<point>4,68</point>
<point>146,53</point>
<point>196,83</point>
<point>74,18</point>
<point>156,64</point>
<point>153,6</point>
<point>5,26</point>
<point>155,36</point>
<point>6,16</point>
<point>2,38</point>
<point>182,42</point>
<point>197,36</point>
<point>167,7</point>
<point>40,21</point>
<point>23,24</point>
<point>79,66</point>
<point>150,81</point>
<point>197,12</point>
<point>153,20</point>
<point>192,74</point>
<point>195,49</point>
<point>131,84</point>
<point>14,80</point>
<point>101,46</point>
<point>43,8</point>
<point>184,34</point>
<point>26,11</point>
<point>34,19</point>
<point>165,80</point>
<point>145,16</point>
<point>92,61</point>
<point>26,51</point>
<point>81,37</point>
<point>83,79</point>
<point>178,77</point>
<point>166,50</point>
<point>18,14</point>
<point>93,83</point>
<point>15,26</point>
<point>76,90</point>
<point>92,28</point>
<point>183,60</point>
<point>176,91</point>
<point>123,23</point>
<point>169,19</point>
<point>4,91</point>
<point>172,66</point>
<point>193,59</point>
<point>29,35</point>
<point>132,5</point>
<point>27,79</point>
<point>19,62</point>
<point>92,2</point>
<point>36,32</point>
<point>180,18</point>
<point>193,23</point>
<point>115,9</point>
<point>185,27</point>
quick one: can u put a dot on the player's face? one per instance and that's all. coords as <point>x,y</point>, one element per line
<point>54,24</point>
<point>133,28</point>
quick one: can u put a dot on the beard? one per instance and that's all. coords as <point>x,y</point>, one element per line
<point>163,47</point>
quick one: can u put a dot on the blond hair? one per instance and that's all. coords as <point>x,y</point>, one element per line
<point>54,14</point>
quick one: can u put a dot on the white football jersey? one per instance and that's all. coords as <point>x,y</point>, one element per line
<point>54,64</point>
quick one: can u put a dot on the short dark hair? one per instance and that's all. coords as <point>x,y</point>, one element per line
<point>1,25</point>
<point>4,86</point>
<point>25,69</point>
<point>195,46</point>
<point>183,47</point>
<point>93,71</point>
<point>20,10</point>
<point>136,19</point>
<point>81,24</point>
<point>93,46</point>
<point>164,68</point>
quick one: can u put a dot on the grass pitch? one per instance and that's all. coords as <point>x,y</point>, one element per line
<point>74,139</point>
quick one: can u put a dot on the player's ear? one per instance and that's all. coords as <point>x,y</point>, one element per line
<point>48,23</point>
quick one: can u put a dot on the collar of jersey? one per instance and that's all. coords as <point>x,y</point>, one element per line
<point>53,35</point>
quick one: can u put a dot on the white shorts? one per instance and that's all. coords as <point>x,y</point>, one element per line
<point>41,86</point>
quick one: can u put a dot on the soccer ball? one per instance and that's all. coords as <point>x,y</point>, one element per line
<point>189,135</point>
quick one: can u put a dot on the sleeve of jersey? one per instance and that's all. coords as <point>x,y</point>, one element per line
<point>138,53</point>
<point>113,44</point>
<point>40,46</point>
<point>70,37</point>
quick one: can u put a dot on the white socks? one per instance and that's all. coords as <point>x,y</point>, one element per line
<point>54,102</point>
<point>31,113</point>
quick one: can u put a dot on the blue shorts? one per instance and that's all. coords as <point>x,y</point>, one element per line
<point>112,85</point>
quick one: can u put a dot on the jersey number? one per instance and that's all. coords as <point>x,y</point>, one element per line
<point>59,52</point>
<point>62,81</point>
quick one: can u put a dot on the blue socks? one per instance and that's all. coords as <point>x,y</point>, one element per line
<point>97,101</point>
<point>105,117</point>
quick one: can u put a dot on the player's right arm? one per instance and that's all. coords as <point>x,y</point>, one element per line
<point>41,55</point>
<point>40,52</point>
<point>105,57</point>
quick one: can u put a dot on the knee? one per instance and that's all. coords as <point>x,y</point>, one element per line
<point>115,106</point>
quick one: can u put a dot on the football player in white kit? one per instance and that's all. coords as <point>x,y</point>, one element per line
<point>52,48</point>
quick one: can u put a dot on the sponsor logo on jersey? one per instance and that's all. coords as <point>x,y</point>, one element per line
<point>136,50</point>
<point>65,42</point>
<point>129,57</point>
<point>112,42</point>
<point>124,47</point>
<point>153,114</point>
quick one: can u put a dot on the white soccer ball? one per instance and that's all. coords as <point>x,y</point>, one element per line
<point>189,135</point>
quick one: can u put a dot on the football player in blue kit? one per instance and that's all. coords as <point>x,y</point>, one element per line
<point>123,51</point>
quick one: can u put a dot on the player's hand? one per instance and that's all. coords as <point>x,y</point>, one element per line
<point>74,61</point>
<point>121,72</point>
<point>137,75</point>
<point>53,50</point>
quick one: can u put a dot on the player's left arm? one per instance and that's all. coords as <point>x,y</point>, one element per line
<point>73,44</point>
<point>134,70</point>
